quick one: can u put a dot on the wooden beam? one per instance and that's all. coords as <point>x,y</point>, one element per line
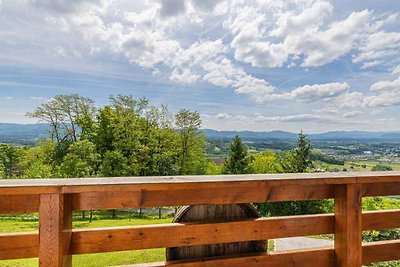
<point>219,194</point>
<point>10,204</point>
<point>381,189</point>
<point>80,185</point>
<point>348,227</point>
<point>19,245</point>
<point>381,251</point>
<point>301,258</point>
<point>55,223</point>
<point>382,219</point>
<point>190,234</point>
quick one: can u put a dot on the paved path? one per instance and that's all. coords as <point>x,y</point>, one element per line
<point>300,243</point>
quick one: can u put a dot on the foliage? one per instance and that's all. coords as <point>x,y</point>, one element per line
<point>265,162</point>
<point>381,168</point>
<point>81,160</point>
<point>238,161</point>
<point>326,159</point>
<point>9,159</point>
<point>126,137</point>
<point>68,115</point>
<point>114,164</point>
<point>191,156</point>
<point>302,153</point>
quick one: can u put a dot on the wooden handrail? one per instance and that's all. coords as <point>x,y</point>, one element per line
<point>55,199</point>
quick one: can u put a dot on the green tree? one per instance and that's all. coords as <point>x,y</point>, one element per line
<point>9,161</point>
<point>237,161</point>
<point>265,162</point>
<point>68,115</point>
<point>114,164</point>
<point>81,160</point>
<point>39,161</point>
<point>191,142</point>
<point>302,153</point>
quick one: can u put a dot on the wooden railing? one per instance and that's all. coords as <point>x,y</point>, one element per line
<point>56,241</point>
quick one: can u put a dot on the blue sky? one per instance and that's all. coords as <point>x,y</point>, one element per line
<point>263,65</point>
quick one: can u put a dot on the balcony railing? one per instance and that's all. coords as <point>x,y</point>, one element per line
<point>56,241</point>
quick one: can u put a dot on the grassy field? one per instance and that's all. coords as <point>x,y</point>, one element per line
<point>357,165</point>
<point>27,224</point>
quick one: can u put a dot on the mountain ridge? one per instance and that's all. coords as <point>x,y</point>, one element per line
<point>40,130</point>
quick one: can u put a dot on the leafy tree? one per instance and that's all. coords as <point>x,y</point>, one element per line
<point>68,115</point>
<point>114,164</point>
<point>213,169</point>
<point>237,162</point>
<point>81,160</point>
<point>191,142</point>
<point>265,162</point>
<point>39,161</point>
<point>302,153</point>
<point>9,159</point>
<point>381,168</point>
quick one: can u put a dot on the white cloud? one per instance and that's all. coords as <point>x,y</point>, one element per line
<point>205,5</point>
<point>310,93</point>
<point>215,42</point>
<point>386,85</point>
<point>222,116</point>
<point>302,31</point>
<point>388,94</point>
<point>38,98</point>
<point>171,8</point>
<point>352,114</point>
<point>297,118</point>
<point>63,7</point>
<point>396,70</point>
<point>184,76</point>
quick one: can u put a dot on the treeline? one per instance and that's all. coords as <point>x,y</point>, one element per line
<point>326,159</point>
<point>127,137</point>
<point>297,160</point>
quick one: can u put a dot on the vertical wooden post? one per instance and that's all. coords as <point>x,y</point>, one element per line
<point>55,224</point>
<point>348,228</point>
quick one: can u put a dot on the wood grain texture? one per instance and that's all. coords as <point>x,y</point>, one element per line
<point>55,223</point>
<point>302,258</point>
<point>76,185</point>
<point>381,189</point>
<point>215,213</point>
<point>10,204</point>
<point>348,225</point>
<point>195,194</point>
<point>190,234</point>
<point>381,251</point>
<point>379,220</point>
<point>19,245</point>
<point>26,245</point>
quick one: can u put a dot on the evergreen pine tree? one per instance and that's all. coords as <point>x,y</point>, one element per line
<point>237,162</point>
<point>302,153</point>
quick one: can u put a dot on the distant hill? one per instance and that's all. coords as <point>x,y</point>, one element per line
<point>13,129</point>
<point>328,136</point>
<point>29,133</point>
<point>22,134</point>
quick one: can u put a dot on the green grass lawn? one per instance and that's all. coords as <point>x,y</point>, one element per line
<point>357,165</point>
<point>101,219</point>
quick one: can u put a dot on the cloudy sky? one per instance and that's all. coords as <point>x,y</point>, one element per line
<point>244,65</point>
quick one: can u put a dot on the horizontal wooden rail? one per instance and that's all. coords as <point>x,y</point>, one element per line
<point>55,199</point>
<point>139,192</point>
<point>26,245</point>
<point>80,185</point>
<point>371,252</point>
